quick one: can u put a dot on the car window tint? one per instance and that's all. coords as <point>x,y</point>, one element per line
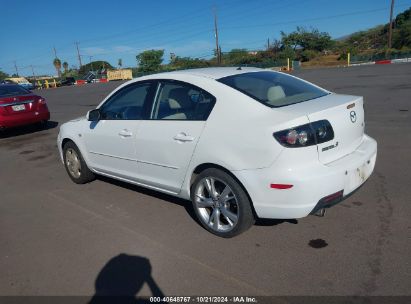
<point>182,101</point>
<point>273,89</point>
<point>126,104</point>
<point>12,90</point>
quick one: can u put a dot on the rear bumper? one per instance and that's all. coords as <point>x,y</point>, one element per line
<point>11,121</point>
<point>313,182</point>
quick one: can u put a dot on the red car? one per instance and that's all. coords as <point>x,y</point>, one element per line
<point>19,107</point>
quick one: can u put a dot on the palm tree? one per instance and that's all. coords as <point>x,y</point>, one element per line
<point>57,65</point>
<point>65,66</point>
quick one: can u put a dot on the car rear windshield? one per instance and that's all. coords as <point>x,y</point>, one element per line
<point>273,89</point>
<point>12,90</point>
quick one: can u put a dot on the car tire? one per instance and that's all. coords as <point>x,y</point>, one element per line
<point>75,165</point>
<point>227,212</point>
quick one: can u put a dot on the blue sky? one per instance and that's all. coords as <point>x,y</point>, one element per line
<point>109,30</point>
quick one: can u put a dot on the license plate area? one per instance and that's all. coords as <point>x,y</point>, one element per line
<point>17,108</point>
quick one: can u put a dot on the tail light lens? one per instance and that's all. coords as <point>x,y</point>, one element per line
<point>41,100</point>
<point>306,135</point>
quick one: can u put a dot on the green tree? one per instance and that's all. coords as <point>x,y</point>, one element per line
<point>94,65</point>
<point>150,61</point>
<point>239,56</point>
<point>307,39</point>
<point>65,67</point>
<point>189,63</point>
<point>57,65</point>
<point>3,75</point>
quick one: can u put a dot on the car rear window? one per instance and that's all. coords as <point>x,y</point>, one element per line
<point>273,89</point>
<point>12,90</point>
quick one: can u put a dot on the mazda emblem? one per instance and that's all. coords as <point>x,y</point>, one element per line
<point>353,116</point>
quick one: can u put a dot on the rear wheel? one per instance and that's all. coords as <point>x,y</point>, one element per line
<point>221,204</point>
<point>75,165</point>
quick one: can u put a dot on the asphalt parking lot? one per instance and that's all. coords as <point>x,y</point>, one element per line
<point>59,238</point>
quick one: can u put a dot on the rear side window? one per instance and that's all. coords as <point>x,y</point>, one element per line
<point>273,89</point>
<point>181,101</point>
<point>12,90</point>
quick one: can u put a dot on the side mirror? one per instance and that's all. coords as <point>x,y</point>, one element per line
<point>93,115</point>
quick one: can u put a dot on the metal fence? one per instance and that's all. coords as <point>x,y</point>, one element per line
<point>380,56</point>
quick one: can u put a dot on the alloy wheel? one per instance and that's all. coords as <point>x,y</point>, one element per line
<point>216,204</point>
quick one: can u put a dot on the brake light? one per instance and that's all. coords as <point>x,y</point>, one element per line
<point>41,100</point>
<point>306,135</point>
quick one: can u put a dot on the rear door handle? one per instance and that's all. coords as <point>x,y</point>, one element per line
<point>183,137</point>
<point>125,133</point>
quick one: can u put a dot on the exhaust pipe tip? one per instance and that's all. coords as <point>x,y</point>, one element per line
<point>320,213</point>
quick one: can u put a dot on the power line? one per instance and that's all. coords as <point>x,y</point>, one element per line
<point>310,19</point>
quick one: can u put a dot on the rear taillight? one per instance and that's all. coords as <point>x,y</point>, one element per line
<point>306,135</point>
<point>41,100</point>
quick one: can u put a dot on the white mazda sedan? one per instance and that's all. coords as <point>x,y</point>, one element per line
<point>240,143</point>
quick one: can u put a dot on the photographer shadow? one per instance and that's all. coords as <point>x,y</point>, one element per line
<point>122,278</point>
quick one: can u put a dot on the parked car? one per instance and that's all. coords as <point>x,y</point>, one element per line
<point>7,81</point>
<point>20,81</point>
<point>68,81</point>
<point>19,106</point>
<point>240,143</point>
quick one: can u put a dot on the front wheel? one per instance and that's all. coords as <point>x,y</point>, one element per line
<point>75,165</point>
<point>221,204</point>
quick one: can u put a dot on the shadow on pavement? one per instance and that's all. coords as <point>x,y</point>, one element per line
<point>184,203</point>
<point>122,278</point>
<point>23,130</point>
<point>274,222</point>
<point>165,197</point>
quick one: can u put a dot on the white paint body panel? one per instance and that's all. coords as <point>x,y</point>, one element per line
<point>238,136</point>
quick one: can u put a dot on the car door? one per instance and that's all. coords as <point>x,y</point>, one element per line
<point>165,143</point>
<point>111,140</point>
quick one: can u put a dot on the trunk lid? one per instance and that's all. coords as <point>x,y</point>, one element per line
<point>346,116</point>
<point>15,105</point>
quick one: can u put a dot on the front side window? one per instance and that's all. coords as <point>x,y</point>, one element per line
<point>273,89</point>
<point>182,101</point>
<point>128,103</point>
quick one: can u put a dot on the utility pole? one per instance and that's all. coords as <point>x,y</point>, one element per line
<point>78,54</point>
<point>91,63</point>
<point>268,44</point>
<point>217,47</point>
<point>15,66</point>
<point>32,70</point>
<point>390,29</point>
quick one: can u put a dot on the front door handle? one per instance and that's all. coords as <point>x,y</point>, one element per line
<point>125,133</point>
<point>183,137</point>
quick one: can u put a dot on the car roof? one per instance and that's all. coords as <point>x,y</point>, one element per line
<point>213,73</point>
